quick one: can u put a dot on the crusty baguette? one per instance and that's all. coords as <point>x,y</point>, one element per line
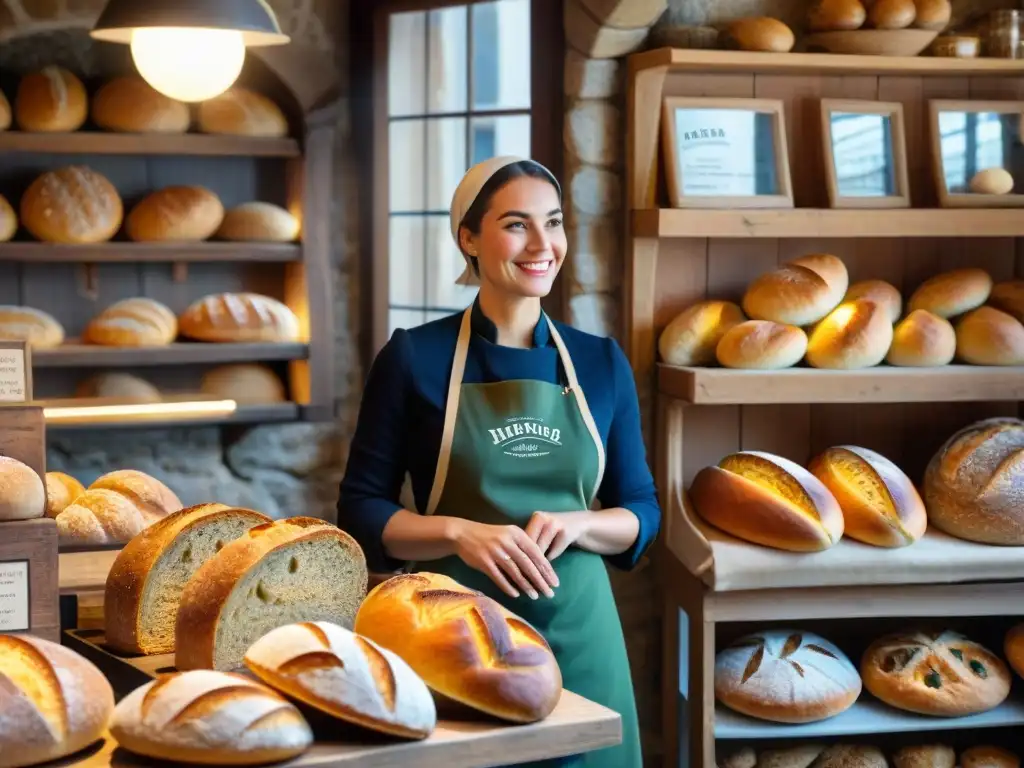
<point>145,582</point>
<point>464,645</point>
<point>61,490</point>
<point>53,702</point>
<point>345,675</point>
<point>22,491</point>
<point>239,317</point>
<point>293,570</point>
<point>212,718</point>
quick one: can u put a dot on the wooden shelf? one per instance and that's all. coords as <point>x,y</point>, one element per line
<point>102,143</point>
<point>882,384</point>
<point>270,413</point>
<point>816,222</point>
<point>118,252</point>
<point>183,353</point>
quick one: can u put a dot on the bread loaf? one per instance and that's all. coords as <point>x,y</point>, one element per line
<point>294,570</point>
<point>118,386</point>
<point>145,582</point>
<point>53,702</point>
<point>988,757</point>
<point>22,493</point>
<point>925,756</point>
<point>974,484</point>
<point>892,14</point>
<point>759,33</point>
<point>8,220</point>
<point>239,317</point>
<point>1013,648</point>
<point>115,508</point>
<point>51,100</point>
<point>136,322</point>
<point>991,181</point>
<point>854,335</point>
<point>952,293</point>
<point>933,14</point>
<point>131,105</point>
<point>800,292</point>
<point>786,676</point>
<point>1008,296</point>
<point>880,504</point>
<point>175,214</point>
<point>801,756</point>
<point>6,114</point>
<point>259,222</point>
<point>986,336</point>
<point>345,675</point>
<point>210,718</point>
<point>881,293</point>
<point>922,340</point>
<point>835,15</point>
<point>691,337</point>
<point>939,673</point>
<point>73,205</point>
<point>851,756</point>
<point>39,329</point>
<point>761,345</point>
<point>743,757</point>
<point>245,383</point>
<point>241,112</point>
<point>61,490</point>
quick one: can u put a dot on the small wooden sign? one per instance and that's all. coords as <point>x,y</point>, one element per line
<point>29,587</point>
<point>15,372</point>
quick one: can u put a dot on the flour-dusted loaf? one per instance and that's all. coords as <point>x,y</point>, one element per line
<point>175,214</point>
<point>974,484</point>
<point>39,329</point>
<point>293,570</point>
<point>22,492</point>
<point>239,317</point>
<point>211,718</point>
<point>259,222</point>
<point>693,335</point>
<point>61,490</point>
<point>786,676</point>
<point>53,702</point>
<point>345,675</point>
<point>242,112</point>
<point>935,673</point>
<point>922,339</point>
<point>144,585</point>
<point>245,383</point>
<point>924,756</point>
<point>124,387</point>
<point>952,293</point>
<point>464,645</point>
<point>131,105</point>
<point>52,99</point>
<point>73,205</point>
<point>115,508</point>
<point>138,322</point>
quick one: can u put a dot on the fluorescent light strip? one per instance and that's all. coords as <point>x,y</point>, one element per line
<point>136,410</point>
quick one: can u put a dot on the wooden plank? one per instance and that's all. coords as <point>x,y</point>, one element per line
<point>120,252</point>
<point>98,143</point>
<point>85,571</point>
<point>85,356</point>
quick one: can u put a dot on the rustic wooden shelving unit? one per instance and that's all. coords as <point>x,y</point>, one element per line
<point>677,257</point>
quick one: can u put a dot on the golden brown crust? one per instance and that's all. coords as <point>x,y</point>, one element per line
<point>61,489</point>
<point>761,345</point>
<point>130,104</point>
<point>835,15</point>
<point>259,222</point>
<point>952,293</point>
<point>759,33</point>
<point>987,336</point>
<point>792,295</point>
<point>988,757</point>
<point>138,322</point>
<point>691,337</point>
<point>1008,296</point>
<point>881,293</point>
<point>175,214</point>
<point>242,112</point>
<point>239,317</point>
<point>8,220</point>
<point>22,491</point>
<point>925,756</point>
<point>40,329</point>
<point>74,205</point>
<point>51,100</point>
<point>892,14</point>
<point>1013,647</point>
<point>922,339</point>
<point>855,334</point>
<point>933,14</point>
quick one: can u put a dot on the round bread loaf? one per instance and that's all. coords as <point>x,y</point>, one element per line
<point>800,756</point>
<point>835,15</point>
<point>785,676</point>
<point>51,100</point>
<point>119,386</point>
<point>691,337</point>
<point>925,756</point>
<point>242,112</point>
<point>39,329</point>
<point>131,105</point>
<point>882,293</point>
<point>987,336</point>
<point>922,340</point>
<point>744,757</point>
<point>1013,647</point>
<point>239,317</point>
<point>988,757</point>
<point>935,15</point>
<point>137,322</point>
<point>259,222</point>
<point>245,383</point>
<point>761,345</point>
<point>8,220</point>
<point>1009,297</point>
<point>22,493</point>
<point>940,673</point>
<point>831,269</point>
<point>892,14</point>
<point>800,292</point>
<point>73,205</point>
<point>850,756</point>
<point>952,293</point>
<point>768,500</point>
<point>991,181</point>
<point>759,33</point>
<point>6,115</point>
<point>856,334</point>
<point>61,490</point>
<point>179,213</point>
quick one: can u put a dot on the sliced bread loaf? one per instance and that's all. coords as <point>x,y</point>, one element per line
<point>293,570</point>
<point>145,583</point>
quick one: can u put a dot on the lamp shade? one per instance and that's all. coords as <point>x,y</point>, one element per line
<point>254,19</point>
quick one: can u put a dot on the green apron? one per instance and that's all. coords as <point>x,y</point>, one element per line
<point>509,449</point>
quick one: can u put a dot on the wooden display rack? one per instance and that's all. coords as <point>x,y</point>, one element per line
<point>677,257</point>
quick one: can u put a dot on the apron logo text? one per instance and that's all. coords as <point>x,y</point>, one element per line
<point>523,437</point>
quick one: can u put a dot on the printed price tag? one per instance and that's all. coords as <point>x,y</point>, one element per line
<point>13,379</point>
<point>14,609</point>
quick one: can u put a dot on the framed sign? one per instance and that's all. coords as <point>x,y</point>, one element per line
<point>865,152</point>
<point>977,153</point>
<point>15,372</point>
<point>726,153</point>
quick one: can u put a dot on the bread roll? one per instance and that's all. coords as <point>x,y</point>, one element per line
<point>988,757</point>
<point>241,112</point>
<point>6,114</point>
<point>882,293</point>
<point>768,500</point>
<point>136,322</point>
<point>239,317</point>
<point>925,756</point>
<point>856,334</point>
<point>210,717</point>
<point>880,504</point>
<point>8,220</point>
<point>933,14</point>
<point>131,105</point>
<point>464,645</point>
<point>73,205</point>
<point>118,386</point>
<point>299,569</point>
<point>922,340</point>
<point>61,490</point>
<point>835,15</point>
<point>693,334</point>
<point>39,329</point>
<point>259,222</point>
<point>851,756</point>
<point>744,757</point>
<point>892,14</point>
<point>986,336</point>
<point>952,293</point>
<point>941,673</point>
<point>1013,647</point>
<point>761,345</point>
<point>786,676</point>
<point>51,100</point>
<point>801,756</point>
<point>245,383</point>
<point>22,493</point>
<point>800,292</point>
<point>175,214</point>
<point>1008,296</point>
<point>760,33</point>
<point>350,677</point>
<point>991,181</point>
<point>54,702</point>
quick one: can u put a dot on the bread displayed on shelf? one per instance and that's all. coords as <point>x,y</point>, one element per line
<point>1008,296</point>
<point>800,292</point>
<point>988,336</point>
<point>212,718</point>
<point>988,757</point>
<point>835,15</point>
<point>891,14</point>
<point>922,339</point>
<point>466,646</point>
<point>785,676</point>
<point>74,205</point>
<point>934,673</point>
<point>761,345</point>
<point>768,500</point>
<point>239,317</point>
<point>758,33</point>
<point>259,223</point>
<point>61,490</point>
<point>145,582</point>
<point>55,702</point>
<point>138,322</point>
<point>181,213</point>
<point>1013,648</point>
<point>974,484</point>
<point>854,335</point>
<point>346,676</point>
<point>950,294</point>
<point>693,335</point>
<point>8,220</point>
<point>245,383</point>
<point>884,294</point>
<point>293,570</point>
<point>125,387</point>
<point>924,756</point>
<point>242,112</point>
<point>934,15</point>
<point>991,181</point>
<point>40,329</point>
<point>51,100</point>
<point>129,104</point>
<point>22,492</point>
<point>6,113</point>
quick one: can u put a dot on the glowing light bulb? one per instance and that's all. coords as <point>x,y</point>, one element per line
<point>188,64</point>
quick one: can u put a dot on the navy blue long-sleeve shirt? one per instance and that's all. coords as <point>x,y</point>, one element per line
<point>402,416</point>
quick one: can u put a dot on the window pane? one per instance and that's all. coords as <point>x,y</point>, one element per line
<point>501,62</point>
<point>446,160</point>
<point>407,53</point>
<point>444,265</point>
<point>404,318</point>
<point>406,265</point>
<point>406,165</point>
<point>500,136</point>
<point>447,64</point>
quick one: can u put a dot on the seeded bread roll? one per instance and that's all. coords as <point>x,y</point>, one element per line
<point>259,222</point>
<point>61,490</point>
<point>175,214</point>
<point>119,386</point>
<point>8,220</point>
<point>1009,297</point>
<point>800,292</point>
<point>986,336</point>
<point>941,673</point>
<point>922,339</point>
<point>22,493</point>
<point>925,756</point>
<point>854,335</point>
<point>239,317</point>
<point>691,337</point>
<point>131,105</point>
<point>761,345</point>
<point>952,293</point>
<point>73,205</point>
<point>988,757</point>
<point>51,100</point>
<point>881,293</point>
<point>245,383</point>
<point>39,329</point>
<point>136,322</point>
<point>241,112</point>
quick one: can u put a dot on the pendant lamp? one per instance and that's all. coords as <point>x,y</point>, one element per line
<point>190,50</point>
